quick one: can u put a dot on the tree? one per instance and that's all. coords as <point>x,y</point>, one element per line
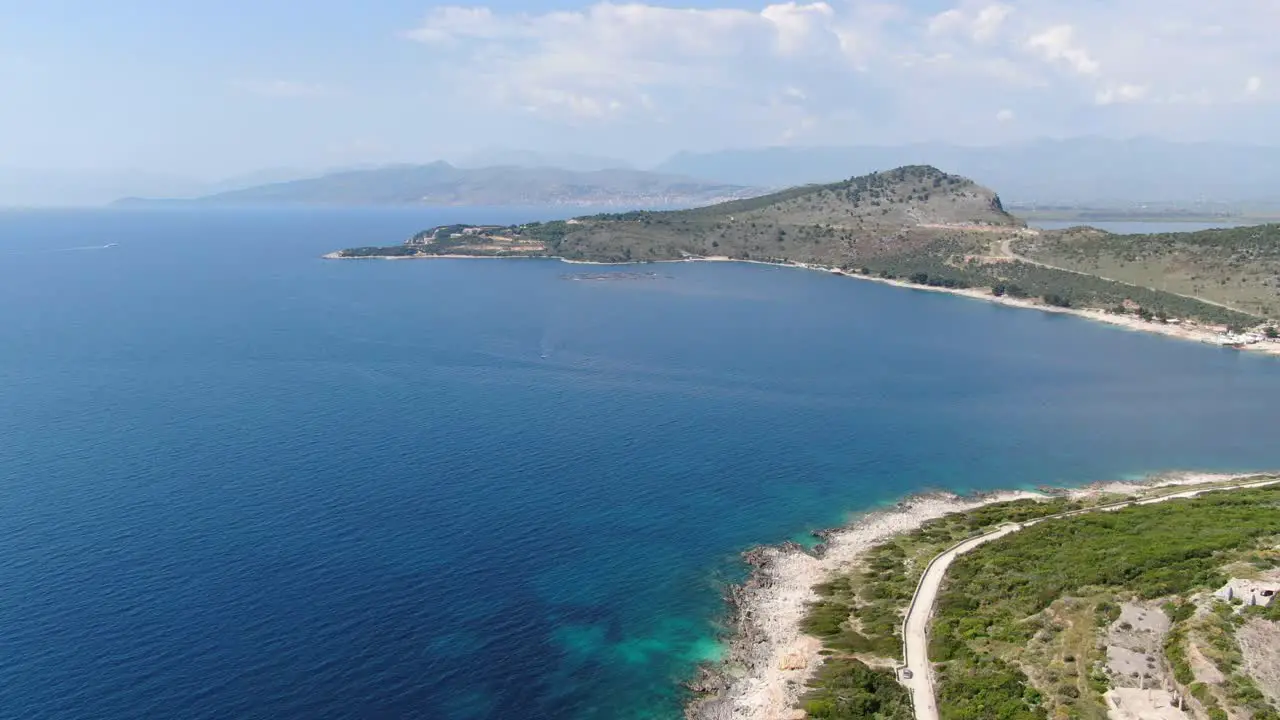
<point>1271,332</point>
<point>999,290</point>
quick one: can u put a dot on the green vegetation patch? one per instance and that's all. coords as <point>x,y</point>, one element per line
<point>849,690</point>
<point>1235,266</point>
<point>861,612</point>
<point>548,233</point>
<point>391,251</point>
<point>993,690</point>
<point>995,599</point>
<point>934,264</point>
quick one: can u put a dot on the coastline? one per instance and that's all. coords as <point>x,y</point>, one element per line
<point>769,659</point>
<point>336,255</point>
<point>1189,331</point>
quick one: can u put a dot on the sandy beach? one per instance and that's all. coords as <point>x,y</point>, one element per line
<point>769,658</point>
<point>1181,331</point>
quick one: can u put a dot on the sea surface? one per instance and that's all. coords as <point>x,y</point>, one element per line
<point>240,481</point>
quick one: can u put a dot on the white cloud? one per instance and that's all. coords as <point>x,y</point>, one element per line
<point>797,24</point>
<point>593,63</point>
<point>286,89</point>
<point>1121,93</point>
<point>989,21</point>
<point>462,23</point>
<point>1058,43</point>
<point>980,25</point>
<point>947,21</point>
<point>830,70</point>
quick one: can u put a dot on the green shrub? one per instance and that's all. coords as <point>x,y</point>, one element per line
<point>826,618</point>
<point>990,690</point>
<point>849,690</point>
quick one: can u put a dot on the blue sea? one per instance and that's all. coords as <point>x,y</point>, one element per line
<point>240,481</point>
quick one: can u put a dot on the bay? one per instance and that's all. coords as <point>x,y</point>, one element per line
<point>237,480</point>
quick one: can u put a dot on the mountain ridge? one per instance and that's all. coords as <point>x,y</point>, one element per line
<point>440,183</point>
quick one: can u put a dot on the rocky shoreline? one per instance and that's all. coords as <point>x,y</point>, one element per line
<point>769,659</point>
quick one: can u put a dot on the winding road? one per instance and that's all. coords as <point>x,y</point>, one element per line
<point>917,672</point>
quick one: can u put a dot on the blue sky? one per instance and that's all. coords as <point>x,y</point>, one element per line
<point>217,88</point>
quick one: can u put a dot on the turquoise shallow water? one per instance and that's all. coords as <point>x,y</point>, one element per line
<point>241,481</point>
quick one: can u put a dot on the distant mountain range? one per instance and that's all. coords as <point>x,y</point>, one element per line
<point>442,184</point>
<point>1083,170</point>
<point>1095,172</point>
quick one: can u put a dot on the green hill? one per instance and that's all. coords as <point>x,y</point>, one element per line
<point>844,223</point>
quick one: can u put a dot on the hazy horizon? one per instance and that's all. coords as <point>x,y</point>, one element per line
<point>211,92</point>
<point>1091,170</point>
<point>485,156</point>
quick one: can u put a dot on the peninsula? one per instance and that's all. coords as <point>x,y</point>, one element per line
<point>918,226</point>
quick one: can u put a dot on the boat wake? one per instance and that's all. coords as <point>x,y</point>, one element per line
<point>108,246</point>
